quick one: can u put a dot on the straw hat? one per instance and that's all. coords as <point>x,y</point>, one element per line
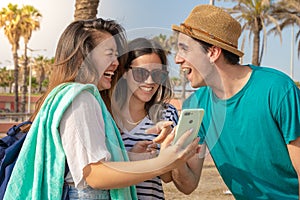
<point>214,26</point>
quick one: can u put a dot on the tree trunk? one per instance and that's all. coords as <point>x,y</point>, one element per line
<point>16,79</point>
<point>10,87</point>
<point>256,41</point>
<point>86,9</point>
<point>24,86</point>
<point>255,53</point>
<point>41,79</point>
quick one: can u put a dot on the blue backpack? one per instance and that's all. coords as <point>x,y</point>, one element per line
<point>10,147</point>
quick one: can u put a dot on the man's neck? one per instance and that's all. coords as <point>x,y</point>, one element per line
<point>232,79</point>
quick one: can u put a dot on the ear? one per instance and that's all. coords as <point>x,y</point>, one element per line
<point>214,53</point>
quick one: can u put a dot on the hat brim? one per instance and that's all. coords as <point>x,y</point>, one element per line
<point>209,40</point>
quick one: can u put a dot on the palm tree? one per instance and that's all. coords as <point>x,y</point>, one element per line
<point>172,42</point>
<point>43,68</point>
<point>288,13</point>
<point>5,78</point>
<point>10,21</point>
<point>86,9</point>
<point>30,21</point>
<point>255,16</point>
<point>169,44</point>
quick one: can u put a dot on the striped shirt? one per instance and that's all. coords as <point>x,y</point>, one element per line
<point>150,189</point>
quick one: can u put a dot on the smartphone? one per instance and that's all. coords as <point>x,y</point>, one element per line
<point>189,119</point>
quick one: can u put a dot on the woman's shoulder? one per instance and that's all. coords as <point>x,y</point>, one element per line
<point>86,101</point>
<point>85,97</point>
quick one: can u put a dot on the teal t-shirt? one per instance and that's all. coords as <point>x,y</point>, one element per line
<point>248,133</point>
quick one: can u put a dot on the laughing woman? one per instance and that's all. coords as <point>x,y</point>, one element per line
<point>141,100</point>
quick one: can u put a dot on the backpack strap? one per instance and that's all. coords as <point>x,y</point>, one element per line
<point>16,128</point>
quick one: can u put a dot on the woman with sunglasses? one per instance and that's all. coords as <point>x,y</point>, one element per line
<point>72,123</point>
<point>141,100</point>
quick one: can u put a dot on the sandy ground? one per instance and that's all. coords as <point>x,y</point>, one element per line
<point>211,186</point>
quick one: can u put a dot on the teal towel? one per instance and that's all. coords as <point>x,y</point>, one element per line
<point>39,170</point>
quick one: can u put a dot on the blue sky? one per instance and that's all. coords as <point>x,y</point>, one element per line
<point>141,19</point>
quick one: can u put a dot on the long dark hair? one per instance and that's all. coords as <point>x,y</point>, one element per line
<point>136,48</point>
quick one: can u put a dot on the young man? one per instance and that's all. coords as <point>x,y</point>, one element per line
<point>252,114</point>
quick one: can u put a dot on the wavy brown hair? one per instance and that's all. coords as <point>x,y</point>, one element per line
<point>76,42</point>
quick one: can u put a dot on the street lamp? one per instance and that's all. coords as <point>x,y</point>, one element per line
<point>292,53</point>
<point>29,89</point>
<point>30,76</point>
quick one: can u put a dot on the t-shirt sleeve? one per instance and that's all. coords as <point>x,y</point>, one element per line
<point>83,136</point>
<point>288,115</point>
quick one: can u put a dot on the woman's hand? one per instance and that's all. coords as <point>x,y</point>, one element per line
<point>144,147</point>
<point>143,150</point>
<point>162,128</point>
<point>176,154</point>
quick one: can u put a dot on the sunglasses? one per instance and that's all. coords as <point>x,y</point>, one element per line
<point>141,74</point>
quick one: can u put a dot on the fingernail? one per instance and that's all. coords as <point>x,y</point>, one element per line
<point>191,130</point>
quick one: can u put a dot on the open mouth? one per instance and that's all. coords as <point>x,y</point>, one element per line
<point>108,74</point>
<point>146,89</point>
<point>186,71</point>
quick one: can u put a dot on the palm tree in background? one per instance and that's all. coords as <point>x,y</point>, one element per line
<point>288,13</point>
<point>43,69</point>
<point>30,21</point>
<point>255,16</point>
<point>86,9</point>
<point>6,79</point>
<point>17,23</point>
<point>10,21</point>
<point>169,45</point>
